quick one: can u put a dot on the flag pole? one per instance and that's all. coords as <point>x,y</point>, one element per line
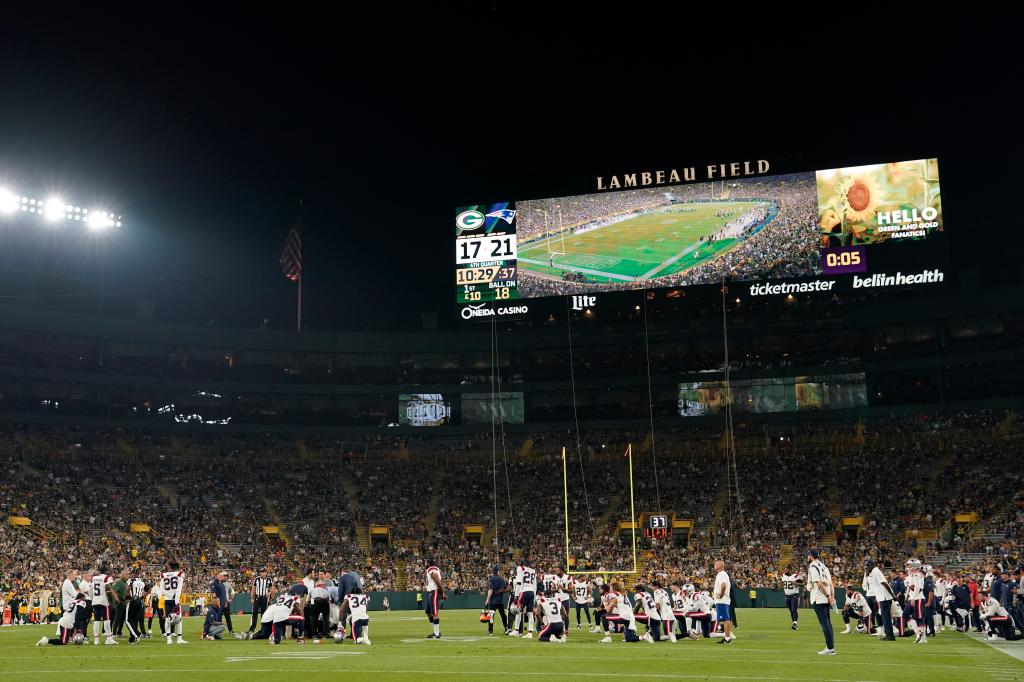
<point>298,313</point>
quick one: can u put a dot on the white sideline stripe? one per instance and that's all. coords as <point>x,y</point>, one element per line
<point>574,268</point>
<point>1011,649</point>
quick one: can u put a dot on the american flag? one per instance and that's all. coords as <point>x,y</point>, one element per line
<point>291,256</point>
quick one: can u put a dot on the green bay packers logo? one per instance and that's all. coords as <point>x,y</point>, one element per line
<point>468,221</point>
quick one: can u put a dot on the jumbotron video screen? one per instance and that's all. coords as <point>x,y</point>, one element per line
<point>807,224</point>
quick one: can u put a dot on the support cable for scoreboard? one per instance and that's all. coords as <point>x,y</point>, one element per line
<point>494,452</point>
<point>650,408</point>
<point>496,392</point>
<point>731,473</point>
<point>575,415</point>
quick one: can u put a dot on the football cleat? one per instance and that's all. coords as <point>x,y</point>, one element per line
<point>44,641</point>
<point>607,639</point>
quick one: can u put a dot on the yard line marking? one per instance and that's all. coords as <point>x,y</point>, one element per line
<point>670,261</point>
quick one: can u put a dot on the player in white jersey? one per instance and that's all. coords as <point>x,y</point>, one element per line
<point>913,612</point>
<point>700,610</point>
<point>791,589</point>
<point>857,607</point>
<point>997,619</point>
<point>526,578</point>
<point>582,598</point>
<point>435,595</point>
<point>648,613</point>
<point>355,604</point>
<point>679,599</point>
<point>102,595</point>
<point>618,612</point>
<point>74,612</point>
<point>563,590</point>
<point>552,614</point>
<point>171,583</point>
<point>278,616</point>
<point>663,602</point>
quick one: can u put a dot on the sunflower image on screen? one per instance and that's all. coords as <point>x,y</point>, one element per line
<point>879,203</point>
<point>423,409</point>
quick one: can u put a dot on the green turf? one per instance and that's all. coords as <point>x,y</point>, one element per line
<point>765,649</point>
<point>648,246</point>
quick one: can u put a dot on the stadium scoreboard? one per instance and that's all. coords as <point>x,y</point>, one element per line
<point>853,227</point>
<point>657,527</point>
<point>485,254</point>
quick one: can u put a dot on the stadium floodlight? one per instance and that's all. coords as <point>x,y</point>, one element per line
<point>9,202</point>
<point>99,220</point>
<point>54,209</point>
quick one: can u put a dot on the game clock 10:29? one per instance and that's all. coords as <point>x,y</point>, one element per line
<point>485,253</point>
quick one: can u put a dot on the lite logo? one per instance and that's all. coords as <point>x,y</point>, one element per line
<point>582,302</point>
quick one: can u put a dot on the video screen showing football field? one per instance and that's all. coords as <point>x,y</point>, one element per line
<point>693,234</point>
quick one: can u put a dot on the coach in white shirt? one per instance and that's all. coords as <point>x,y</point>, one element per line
<point>722,587</point>
<point>819,581</point>
<point>879,588</point>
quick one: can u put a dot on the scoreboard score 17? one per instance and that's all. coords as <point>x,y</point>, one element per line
<point>485,253</point>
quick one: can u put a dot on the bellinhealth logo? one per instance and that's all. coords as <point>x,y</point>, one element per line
<point>897,280</point>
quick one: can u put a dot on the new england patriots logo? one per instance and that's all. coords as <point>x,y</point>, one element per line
<point>506,214</point>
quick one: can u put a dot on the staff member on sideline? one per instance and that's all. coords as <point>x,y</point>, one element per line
<point>495,601</point>
<point>220,591</point>
<point>723,585</point>
<point>883,594</point>
<point>819,582</point>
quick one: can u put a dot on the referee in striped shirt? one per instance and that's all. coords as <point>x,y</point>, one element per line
<point>135,613</point>
<point>259,595</point>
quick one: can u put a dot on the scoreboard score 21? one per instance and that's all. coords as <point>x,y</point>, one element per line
<point>485,253</point>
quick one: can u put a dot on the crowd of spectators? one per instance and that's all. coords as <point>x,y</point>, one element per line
<point>206,504</point>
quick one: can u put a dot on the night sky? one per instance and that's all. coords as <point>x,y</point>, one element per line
<point>206,131</point>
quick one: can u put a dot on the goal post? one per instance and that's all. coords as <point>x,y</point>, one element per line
<point>632,518</point>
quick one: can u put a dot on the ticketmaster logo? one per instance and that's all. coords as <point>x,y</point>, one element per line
<point>792,288</point>
<point>899,279</point>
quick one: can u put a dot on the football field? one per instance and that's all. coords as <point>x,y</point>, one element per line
<point>656,244</point>
<point>765,649</point>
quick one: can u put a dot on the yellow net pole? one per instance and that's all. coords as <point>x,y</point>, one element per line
<point>632,512</point>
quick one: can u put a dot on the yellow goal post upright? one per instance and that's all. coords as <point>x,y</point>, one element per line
<point>632,518</point>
